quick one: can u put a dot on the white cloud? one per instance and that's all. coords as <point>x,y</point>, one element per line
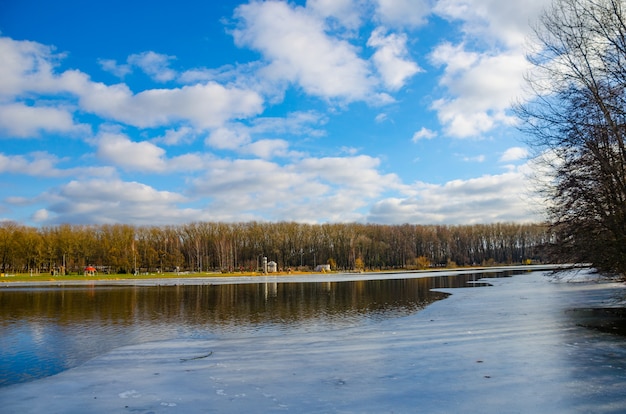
<point>508,22</point>
<point>204,105</point>
<point>486,199</point>
<point>480,87</point>
<point>391,58</point>
<point>36,164</point>
<point>357,175</point>
<point>269,148</point>
<point>514,154</point>
<point>255,189</point>
<point>40,215</point>
<point>43,164</point>
<point>115,201</point>
<point>483,79</point>
<point>423,133</point>
<point>295,123</point>
<point>111,66</point>
<point>22,121</point>
<point>182,135</point>
<point>155,65</point>
<point>312,189</point>
<point>248,139</point>
<point>25,65</point>
<point>31,70</point>
<point>477,158</point>
<point>230,138</point>
<point>403,13</point>
<point>345,12</point>
<point>294,43</point>
<point>117,149</point>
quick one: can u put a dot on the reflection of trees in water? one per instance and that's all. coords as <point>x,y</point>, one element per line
<point>227,304</point>
<point>46,330</point>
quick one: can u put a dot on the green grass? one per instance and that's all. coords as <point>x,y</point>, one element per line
<point>49,278</point>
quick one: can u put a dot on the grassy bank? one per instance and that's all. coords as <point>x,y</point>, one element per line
<point>50,278</point>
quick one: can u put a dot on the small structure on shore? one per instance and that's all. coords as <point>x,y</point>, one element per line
<point>90,271</point>
<point>272,267</point>
<point>322,268</point>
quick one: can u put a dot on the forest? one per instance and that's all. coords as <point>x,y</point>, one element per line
<point>231,247</point>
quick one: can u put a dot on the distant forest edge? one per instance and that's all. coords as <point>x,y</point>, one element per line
<point>231,247</point>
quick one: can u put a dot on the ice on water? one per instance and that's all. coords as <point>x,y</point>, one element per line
<point>507,348</point>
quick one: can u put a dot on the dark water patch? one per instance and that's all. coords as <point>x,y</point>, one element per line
<point>611,320</point>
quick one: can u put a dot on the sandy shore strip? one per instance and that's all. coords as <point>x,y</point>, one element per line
<point>218,279</point>
<point>510,348</point>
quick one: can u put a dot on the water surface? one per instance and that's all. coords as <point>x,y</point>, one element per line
<point>45,330</point>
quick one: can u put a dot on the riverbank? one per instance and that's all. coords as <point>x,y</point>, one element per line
<point>172,279</point>
<point>513,347</point>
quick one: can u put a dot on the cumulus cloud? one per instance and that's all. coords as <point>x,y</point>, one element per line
<point>252,138</point>
<point>118,149</point>
<point>357,175</point>
<point>314,49</point>
<point>269,148</point>
<point>486,199</point>
<point>182,135</point>
<point>391,58</point>
<point>311,189</point>
<point>483,79</point>
<point>403,13</point>
<point>18,120</point>
<point>254,189</point>
<point>155,65</point>
<point>345,12</point>
<point>480,88</point>
<point>111,66</point>
<point>115,201</point>
<point>514,154</point>
<point>231,138</point>
<point>38,164</point>
<point>25,66</point>
<point>423,133</point>
<point>46,165</point>
<point>298,50</point>
<point>506,22</point>
<point>204,105</point>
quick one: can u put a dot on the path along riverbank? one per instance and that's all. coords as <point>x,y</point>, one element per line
<point>513,347</point>
<point>220,279</point>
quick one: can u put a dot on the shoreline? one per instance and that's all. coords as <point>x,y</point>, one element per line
<point>220,279</point>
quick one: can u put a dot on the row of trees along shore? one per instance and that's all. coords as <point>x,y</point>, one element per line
<point>575,117</point>
<point>208,246</point>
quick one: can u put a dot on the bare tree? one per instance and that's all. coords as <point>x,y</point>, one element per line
<point>576,119</point>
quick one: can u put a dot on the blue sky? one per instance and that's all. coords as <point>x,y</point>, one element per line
<point>160,112</point>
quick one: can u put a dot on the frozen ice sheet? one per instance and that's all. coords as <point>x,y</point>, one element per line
<point>503,349</point>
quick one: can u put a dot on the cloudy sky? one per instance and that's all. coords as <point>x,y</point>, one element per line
<point>162,112</point>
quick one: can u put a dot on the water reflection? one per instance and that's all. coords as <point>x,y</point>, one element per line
<point>46,330</point>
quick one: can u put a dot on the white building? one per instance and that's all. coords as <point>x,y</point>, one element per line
<point>272,267</point>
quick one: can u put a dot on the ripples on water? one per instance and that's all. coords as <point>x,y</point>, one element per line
<point>44,331</point>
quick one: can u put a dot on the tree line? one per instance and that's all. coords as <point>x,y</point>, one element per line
<point>215,246</point>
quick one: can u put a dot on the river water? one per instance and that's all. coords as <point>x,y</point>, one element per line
<point>46,330</point>
<point>531,343</point>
